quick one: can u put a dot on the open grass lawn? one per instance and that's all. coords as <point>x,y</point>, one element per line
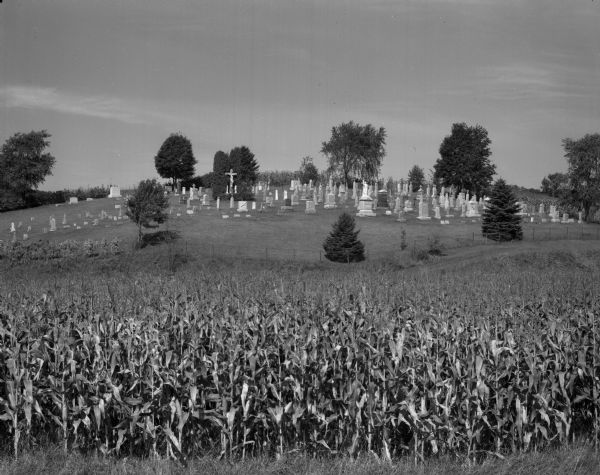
<point>269,234</point>
<point>482,359</point>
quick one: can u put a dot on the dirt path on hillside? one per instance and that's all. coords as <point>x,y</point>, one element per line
<point>468,256</point>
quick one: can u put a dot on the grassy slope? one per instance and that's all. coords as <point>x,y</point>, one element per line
<point>292,236</point>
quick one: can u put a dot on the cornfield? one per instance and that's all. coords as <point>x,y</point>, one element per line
<point>240,363</point>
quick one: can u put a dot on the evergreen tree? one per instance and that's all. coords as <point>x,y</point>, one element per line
<point>342,245</point>
<point>500,220</point>
<point>221,165</point>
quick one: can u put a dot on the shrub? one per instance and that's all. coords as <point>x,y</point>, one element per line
<point>342,244</point>
<point>146,207</point>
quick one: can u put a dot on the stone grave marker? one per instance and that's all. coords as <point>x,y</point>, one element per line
<point>115,192</point>
<point>242,207</point>
<point>73,200</point>
<point>365,204</point>
<point>310,207</point>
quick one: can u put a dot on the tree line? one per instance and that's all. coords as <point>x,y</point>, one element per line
<point>354,152</point>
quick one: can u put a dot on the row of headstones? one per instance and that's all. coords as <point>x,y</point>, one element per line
<point>52,226</point>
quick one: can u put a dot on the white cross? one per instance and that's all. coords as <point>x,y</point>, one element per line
<point>231,175</point>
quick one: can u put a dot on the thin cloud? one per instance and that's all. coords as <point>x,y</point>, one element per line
<point>50,99</point>
<point>522,80</point>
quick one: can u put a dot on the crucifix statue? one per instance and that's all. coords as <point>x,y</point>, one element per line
<point>231,175</point>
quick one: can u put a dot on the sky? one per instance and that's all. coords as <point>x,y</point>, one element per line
<point>110,80</point>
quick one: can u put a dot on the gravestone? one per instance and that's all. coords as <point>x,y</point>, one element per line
<point>295,200</point>
<point>242,207</point>
<point>382,199</point>
<point>472,211</point>
<point>52,224</point>
<point>287,202</point>
<point>330,201</point>
<point>231,202</point>
<point>115,192</point>
<point>269,200</point>
<point>423,210</point>
<point>73,200</point>
<point>310,207</point>
<point>365,204</point>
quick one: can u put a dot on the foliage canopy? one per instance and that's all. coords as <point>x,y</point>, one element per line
<point>416,177</point>
<point>465,159</point>
<point>175,159</point>
<point>355,151</point>
<point>308,171</point>
<point>583,157</point>
<point>24,164</point>
<point>146,206</point>
<point>242,161</point>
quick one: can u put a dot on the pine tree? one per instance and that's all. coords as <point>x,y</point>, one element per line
<point>342,244</point>
<point>500,220</point>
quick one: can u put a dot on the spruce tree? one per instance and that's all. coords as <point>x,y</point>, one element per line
<point>342,244</point>
<point>500,220</point>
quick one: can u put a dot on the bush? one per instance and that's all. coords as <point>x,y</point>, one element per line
<point>342,244</point>
<point>146,207</point>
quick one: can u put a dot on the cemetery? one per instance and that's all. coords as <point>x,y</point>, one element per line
<point>279,215</point>
<point>387,301</point>
<point>277,237</point>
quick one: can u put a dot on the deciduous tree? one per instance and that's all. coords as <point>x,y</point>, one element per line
<point>175,159</point>
<point>146,206</point>
<point>555,184</point>
<point>583,156</point>
<point>24,164</point>
<point>465,159</point>
<point>308,171</point>
<point>416,177</point>
<point>355,151</point>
